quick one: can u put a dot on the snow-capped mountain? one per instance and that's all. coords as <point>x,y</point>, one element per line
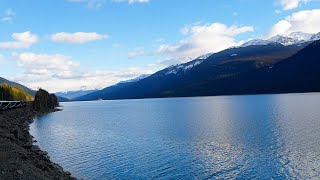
<point>256,42</point>
<point>205,56</point>
<point>182,68</point>
<point>74,94</point>
<point>136,79</point>
<point>300,36</point>
<point>291,39</point>
<point>204,72</point>
<point>286,40</point>
<point>315,37</point>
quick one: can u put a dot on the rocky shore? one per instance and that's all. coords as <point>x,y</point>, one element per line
<point>19,157</point>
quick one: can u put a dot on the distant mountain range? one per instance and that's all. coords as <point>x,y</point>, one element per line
<point>109,90</point>
<point>73,94</point>
<point>277,65</point>
<point>281,64</point>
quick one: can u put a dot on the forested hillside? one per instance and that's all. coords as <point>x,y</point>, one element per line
<point>13,93</point>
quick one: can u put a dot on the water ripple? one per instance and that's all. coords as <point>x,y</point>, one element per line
<point>240,137</point>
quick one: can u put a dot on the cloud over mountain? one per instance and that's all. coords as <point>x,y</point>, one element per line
<point>201,39</point>
<point>303,21</point>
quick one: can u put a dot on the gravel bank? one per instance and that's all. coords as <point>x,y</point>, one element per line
<point>19,158</point>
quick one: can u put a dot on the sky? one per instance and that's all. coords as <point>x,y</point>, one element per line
<point>66,45</point>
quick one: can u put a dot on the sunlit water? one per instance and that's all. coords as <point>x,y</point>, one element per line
<point>240,137</point>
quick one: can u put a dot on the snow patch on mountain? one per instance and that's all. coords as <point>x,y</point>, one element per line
<point>256,42</point>
<point>284,40</point>
<point>315,37</point>
<point>136,79</point>
<point>300,36</point>
<point>205,56</point>
<point>182,68</point>
<point>291,39</point>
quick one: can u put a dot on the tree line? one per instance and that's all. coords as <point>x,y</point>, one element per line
<point>13,93</point>
<point>42,102</point>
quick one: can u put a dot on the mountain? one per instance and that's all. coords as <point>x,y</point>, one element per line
<point>315,37</point>
<point>291,39</point>
<point>300,36</point>
<point>27,90</point>
<point>62,99</point>
<point>284,40</point>
<point>179,80</point>
<point>102,94</point>
<point>256,42</point>
<point>298,73</point>
<point>73,94</point>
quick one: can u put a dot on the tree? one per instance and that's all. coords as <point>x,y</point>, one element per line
<point>44,101</point>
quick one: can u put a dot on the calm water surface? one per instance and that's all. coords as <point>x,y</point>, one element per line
<point>240,137</point>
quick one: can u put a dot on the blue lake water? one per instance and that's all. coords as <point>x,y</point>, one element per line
<point>231,137</point>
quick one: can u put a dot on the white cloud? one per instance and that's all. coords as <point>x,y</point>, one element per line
<point>56,72</point>
<point>91,4</point>
<point>302,21</point>
<point>9,14</point>
<point>291,4</point>
<point>22,40</point>
<point>132,1</point>
<point>44,62</point>
<point>98,4</point>
<point>139,51</point>
<point>78,37</point>
<point>202,39</point>
<point>75,80</point>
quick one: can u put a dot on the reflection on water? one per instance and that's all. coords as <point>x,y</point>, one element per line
<point>241,137</point>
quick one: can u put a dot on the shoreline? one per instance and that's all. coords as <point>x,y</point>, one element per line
<point>20,158</point>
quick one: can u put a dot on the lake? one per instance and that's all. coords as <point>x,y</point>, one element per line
<point>228,137</point>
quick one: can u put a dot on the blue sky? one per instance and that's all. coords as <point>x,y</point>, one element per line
<point>83,44</point>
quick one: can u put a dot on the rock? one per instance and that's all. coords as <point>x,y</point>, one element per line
<point>35,148</point>
<point>43,153</point>
<point>7,135</point>
<point>16,149</point>
<point>2,130</point>
<point>23,155</point>
<point>58,167</point>
<point>27,145</point>
<point>18,133</point>
<point>68,173</point>
<point>41,165</point>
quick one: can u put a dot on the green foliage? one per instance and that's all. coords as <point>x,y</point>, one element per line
<point>13,93</point>
<point>44,101</point>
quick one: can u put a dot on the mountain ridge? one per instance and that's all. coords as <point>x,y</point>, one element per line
<point>227,63</point>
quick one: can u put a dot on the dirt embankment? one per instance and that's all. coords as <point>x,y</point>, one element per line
<point>19,158</point>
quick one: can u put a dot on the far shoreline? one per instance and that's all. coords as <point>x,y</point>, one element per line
<point>204,96</point>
